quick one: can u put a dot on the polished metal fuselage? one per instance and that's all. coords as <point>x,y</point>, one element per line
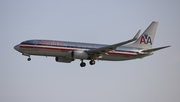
<point>61,48</point>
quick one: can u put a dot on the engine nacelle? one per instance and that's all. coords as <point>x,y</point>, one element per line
<point>63,59</point>
<point>77,55</point>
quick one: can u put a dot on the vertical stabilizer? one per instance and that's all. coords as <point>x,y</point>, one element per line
<point>146,40</point>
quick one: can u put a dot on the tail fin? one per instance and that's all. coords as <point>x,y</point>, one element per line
<point>147,38</point>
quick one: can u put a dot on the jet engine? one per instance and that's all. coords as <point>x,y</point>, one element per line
<point>63,59</point>
<point>77,55</point>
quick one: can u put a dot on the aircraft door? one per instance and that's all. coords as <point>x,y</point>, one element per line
<point>36,49</point>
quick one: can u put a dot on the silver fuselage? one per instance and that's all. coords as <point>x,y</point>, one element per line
<point>61,48</point>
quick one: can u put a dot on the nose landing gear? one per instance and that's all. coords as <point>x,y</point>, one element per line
<point>29,59</point>
<point>25,54</point>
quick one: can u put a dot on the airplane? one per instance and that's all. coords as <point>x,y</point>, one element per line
<point>66,52</point>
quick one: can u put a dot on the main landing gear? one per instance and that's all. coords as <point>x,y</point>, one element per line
<point>83,64</point>
<point>92,62</point>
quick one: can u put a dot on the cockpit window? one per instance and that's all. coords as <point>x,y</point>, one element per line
<point>23,43</point>
<point>27,42</point>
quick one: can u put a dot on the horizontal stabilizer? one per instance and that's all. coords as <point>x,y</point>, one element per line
<point>155,49</point>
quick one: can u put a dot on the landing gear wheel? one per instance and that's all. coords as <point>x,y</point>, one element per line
<point>29,59</point>
<point>92,62</point>
<point>83,64</point>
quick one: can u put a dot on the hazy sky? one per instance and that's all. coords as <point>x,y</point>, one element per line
<point>152,79</point>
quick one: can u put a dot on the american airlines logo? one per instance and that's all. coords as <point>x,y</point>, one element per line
<point>145,39</point>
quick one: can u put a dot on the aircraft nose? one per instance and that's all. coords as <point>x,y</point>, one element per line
<point>16,47</point>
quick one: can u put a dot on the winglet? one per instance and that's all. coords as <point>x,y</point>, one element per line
<point>137,35</point>
<point>147,38</point>
<point>112,47</point>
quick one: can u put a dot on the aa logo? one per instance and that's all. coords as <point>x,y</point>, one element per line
<point>145,39</point>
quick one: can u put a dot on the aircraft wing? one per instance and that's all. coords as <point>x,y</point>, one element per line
<point>108,48</point>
